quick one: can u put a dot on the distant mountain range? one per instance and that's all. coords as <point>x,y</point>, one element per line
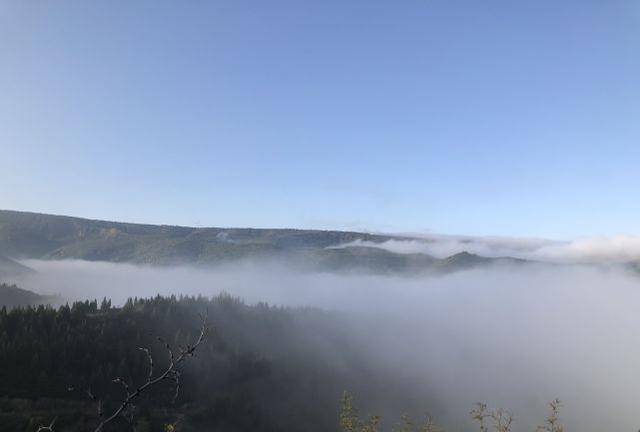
<point>41,236</point>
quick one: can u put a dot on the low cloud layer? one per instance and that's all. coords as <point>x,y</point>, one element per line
<point>442,246</point>
<point>510,337</point>
<point>621,248</point>
<point>614,249</point>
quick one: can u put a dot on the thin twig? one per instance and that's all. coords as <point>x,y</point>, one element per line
<point>47,428</point>
<point>126,409</point>
<point>170,373</point>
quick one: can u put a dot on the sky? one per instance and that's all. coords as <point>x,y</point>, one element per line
<point>493,117</point>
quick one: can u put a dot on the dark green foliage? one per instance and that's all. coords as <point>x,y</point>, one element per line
<point>262,368</point>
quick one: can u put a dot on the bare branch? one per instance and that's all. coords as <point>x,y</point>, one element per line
<point>124,385</point>
<point>91,397</point>
<point>47,428</point>
<point>126,409</point>
<point>150,358</point>
<point>170,373</point>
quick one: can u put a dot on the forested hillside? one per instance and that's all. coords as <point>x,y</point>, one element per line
<point>45,236</point>
<point>32,235</point>
<point>263,368</point>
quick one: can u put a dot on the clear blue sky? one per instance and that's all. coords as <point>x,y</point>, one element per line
<point>479,117</point>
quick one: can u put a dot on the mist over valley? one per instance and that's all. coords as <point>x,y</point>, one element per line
<point>334,216</point>
<point>436,335</point>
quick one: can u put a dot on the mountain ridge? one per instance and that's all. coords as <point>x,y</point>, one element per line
<point>54,237</point>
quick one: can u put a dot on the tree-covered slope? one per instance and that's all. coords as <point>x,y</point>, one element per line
<point>46,236</point>
<point>42,236</point>
<point>262,368</point>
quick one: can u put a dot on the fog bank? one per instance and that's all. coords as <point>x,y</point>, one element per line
<point>514,338</point>
<point>604,249</point>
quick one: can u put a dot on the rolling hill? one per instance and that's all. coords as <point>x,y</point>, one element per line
<point>41,236</point>
<point>11,296</point>
<point>10,269</point>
